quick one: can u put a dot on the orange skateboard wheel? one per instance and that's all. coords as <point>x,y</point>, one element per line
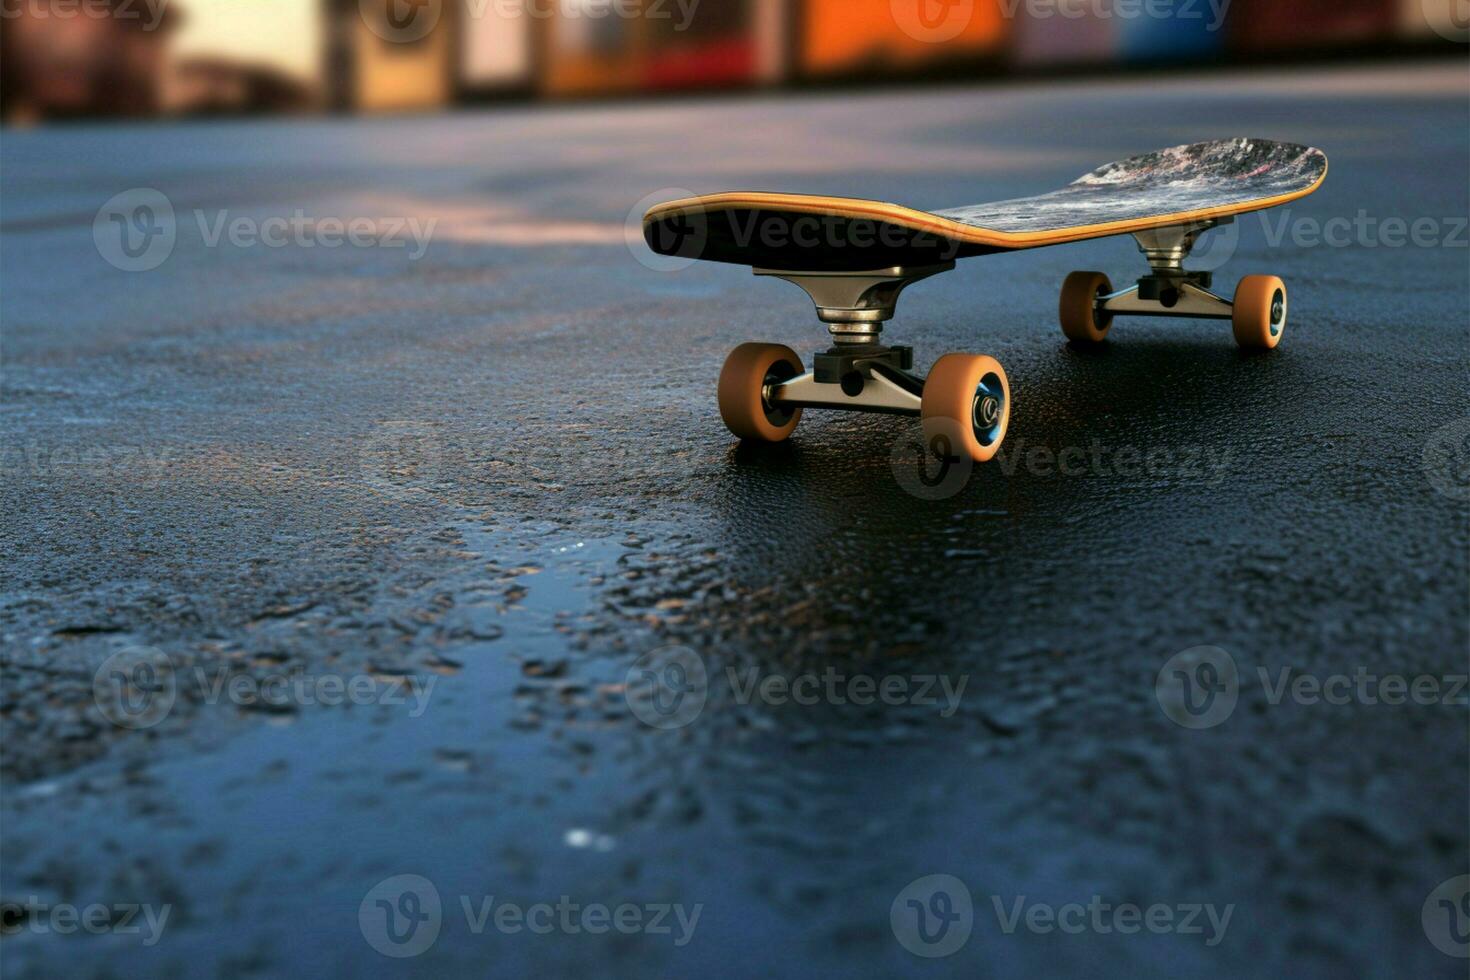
<point>1259,314</point>
<point>1078,310</point>
<point>967,400</point>
<point>743,406</point>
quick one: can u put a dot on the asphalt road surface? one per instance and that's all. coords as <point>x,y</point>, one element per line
<point>329,562</point>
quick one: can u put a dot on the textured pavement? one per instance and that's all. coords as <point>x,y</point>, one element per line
<point>489,484</point>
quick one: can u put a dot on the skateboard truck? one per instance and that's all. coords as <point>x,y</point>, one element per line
<point>1170,290</point>
<point>857,372</point>
<point>1257,313</point>
<point>855,305</point>
<point>964,401</point>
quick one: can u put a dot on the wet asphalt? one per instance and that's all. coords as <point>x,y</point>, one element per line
<point>329,565</point>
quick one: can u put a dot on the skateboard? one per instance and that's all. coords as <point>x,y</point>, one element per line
<point>854,257</point>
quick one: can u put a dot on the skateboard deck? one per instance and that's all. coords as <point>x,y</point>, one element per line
<point>1175,186</point>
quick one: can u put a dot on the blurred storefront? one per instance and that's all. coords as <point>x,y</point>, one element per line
<point>201,86</point>
<point>865,40</point>
<point>1310,25</point>
<point>414,55</point>
<point>602,47</point>
<point>59,59</point>
<point>393,55</point>
<point>499,55</point>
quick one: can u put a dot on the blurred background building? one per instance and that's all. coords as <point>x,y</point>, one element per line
<point>103,63</point>
<point>76,58</point>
